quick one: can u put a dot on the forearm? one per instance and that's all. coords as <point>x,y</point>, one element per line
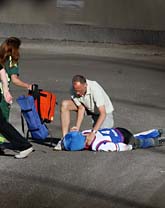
<point>96,127</point>
<point>4,80</point>
<point>20,83</point>
<point>6,93</point>
<point>80,116</point>
<point>99,122</point>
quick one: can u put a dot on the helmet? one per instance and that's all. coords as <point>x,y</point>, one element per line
<point>74,141</point>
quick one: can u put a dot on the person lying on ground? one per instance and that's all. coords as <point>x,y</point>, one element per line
<point>112,139</point>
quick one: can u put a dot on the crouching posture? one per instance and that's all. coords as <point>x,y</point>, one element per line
<point>112,139</point>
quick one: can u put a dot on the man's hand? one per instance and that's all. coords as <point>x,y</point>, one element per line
<point>74,128</point>
<point>89,138</point>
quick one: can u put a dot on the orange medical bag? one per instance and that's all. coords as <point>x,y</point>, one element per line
<point>45,103</point>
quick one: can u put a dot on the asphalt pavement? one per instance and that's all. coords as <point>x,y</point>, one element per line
<point>133,76</point>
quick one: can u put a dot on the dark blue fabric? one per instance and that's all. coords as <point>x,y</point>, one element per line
<point>147,138</point>
<point>28,109</point>
<point>145,143</point>
<point>114,135</point>
<point>153,133</point>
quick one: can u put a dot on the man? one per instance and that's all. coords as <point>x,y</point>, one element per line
<point>87,97</point>
<point>113,139</point>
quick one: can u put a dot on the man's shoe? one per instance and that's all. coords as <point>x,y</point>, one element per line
<point>161,131</point>
<point>161,140</point>
<point>58,147</point>
<point>24,153</point>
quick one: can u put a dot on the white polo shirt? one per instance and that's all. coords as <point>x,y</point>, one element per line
<point>94,98</point>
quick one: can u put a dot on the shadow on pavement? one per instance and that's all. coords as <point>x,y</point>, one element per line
<point>50,142</point>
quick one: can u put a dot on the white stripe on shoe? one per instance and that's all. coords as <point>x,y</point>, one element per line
<point>58,146</point>
<point>24,153</point>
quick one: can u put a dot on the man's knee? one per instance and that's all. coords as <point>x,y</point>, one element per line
<point>64,105</point>
<point>68,105</point>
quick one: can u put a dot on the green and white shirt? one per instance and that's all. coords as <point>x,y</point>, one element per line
<point>11,68</point>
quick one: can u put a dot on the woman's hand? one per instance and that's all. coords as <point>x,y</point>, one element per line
<point>8,97</point>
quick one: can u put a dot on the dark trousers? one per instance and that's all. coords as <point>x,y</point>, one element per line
<point>12,135</point>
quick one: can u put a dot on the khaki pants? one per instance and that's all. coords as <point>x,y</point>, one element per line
<point>108,122</point>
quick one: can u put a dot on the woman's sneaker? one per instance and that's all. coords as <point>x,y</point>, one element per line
<point>2,139</point>
<point>24,153</point>
<point>2,152</point>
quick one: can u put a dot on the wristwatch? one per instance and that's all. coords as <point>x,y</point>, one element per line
<point>94,131</point>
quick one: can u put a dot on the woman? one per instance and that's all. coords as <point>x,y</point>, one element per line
<point>17,140</point>
<point>9,57</point>
<point>4,90</point>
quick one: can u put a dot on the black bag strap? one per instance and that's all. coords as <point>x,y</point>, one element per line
<point>26,135</point>
<point>22,124</point>
<point>35,92</point>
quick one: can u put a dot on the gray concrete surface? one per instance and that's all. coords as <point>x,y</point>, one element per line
<point>82,33</point>
<point>132,15</point>
<point>95,21</point>
<point>134,78</point>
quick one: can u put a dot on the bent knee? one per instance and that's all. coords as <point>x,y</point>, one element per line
<point>64,104</point>
<point>68,105</point>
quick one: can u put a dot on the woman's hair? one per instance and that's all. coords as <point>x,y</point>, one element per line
<point>10,47</point>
